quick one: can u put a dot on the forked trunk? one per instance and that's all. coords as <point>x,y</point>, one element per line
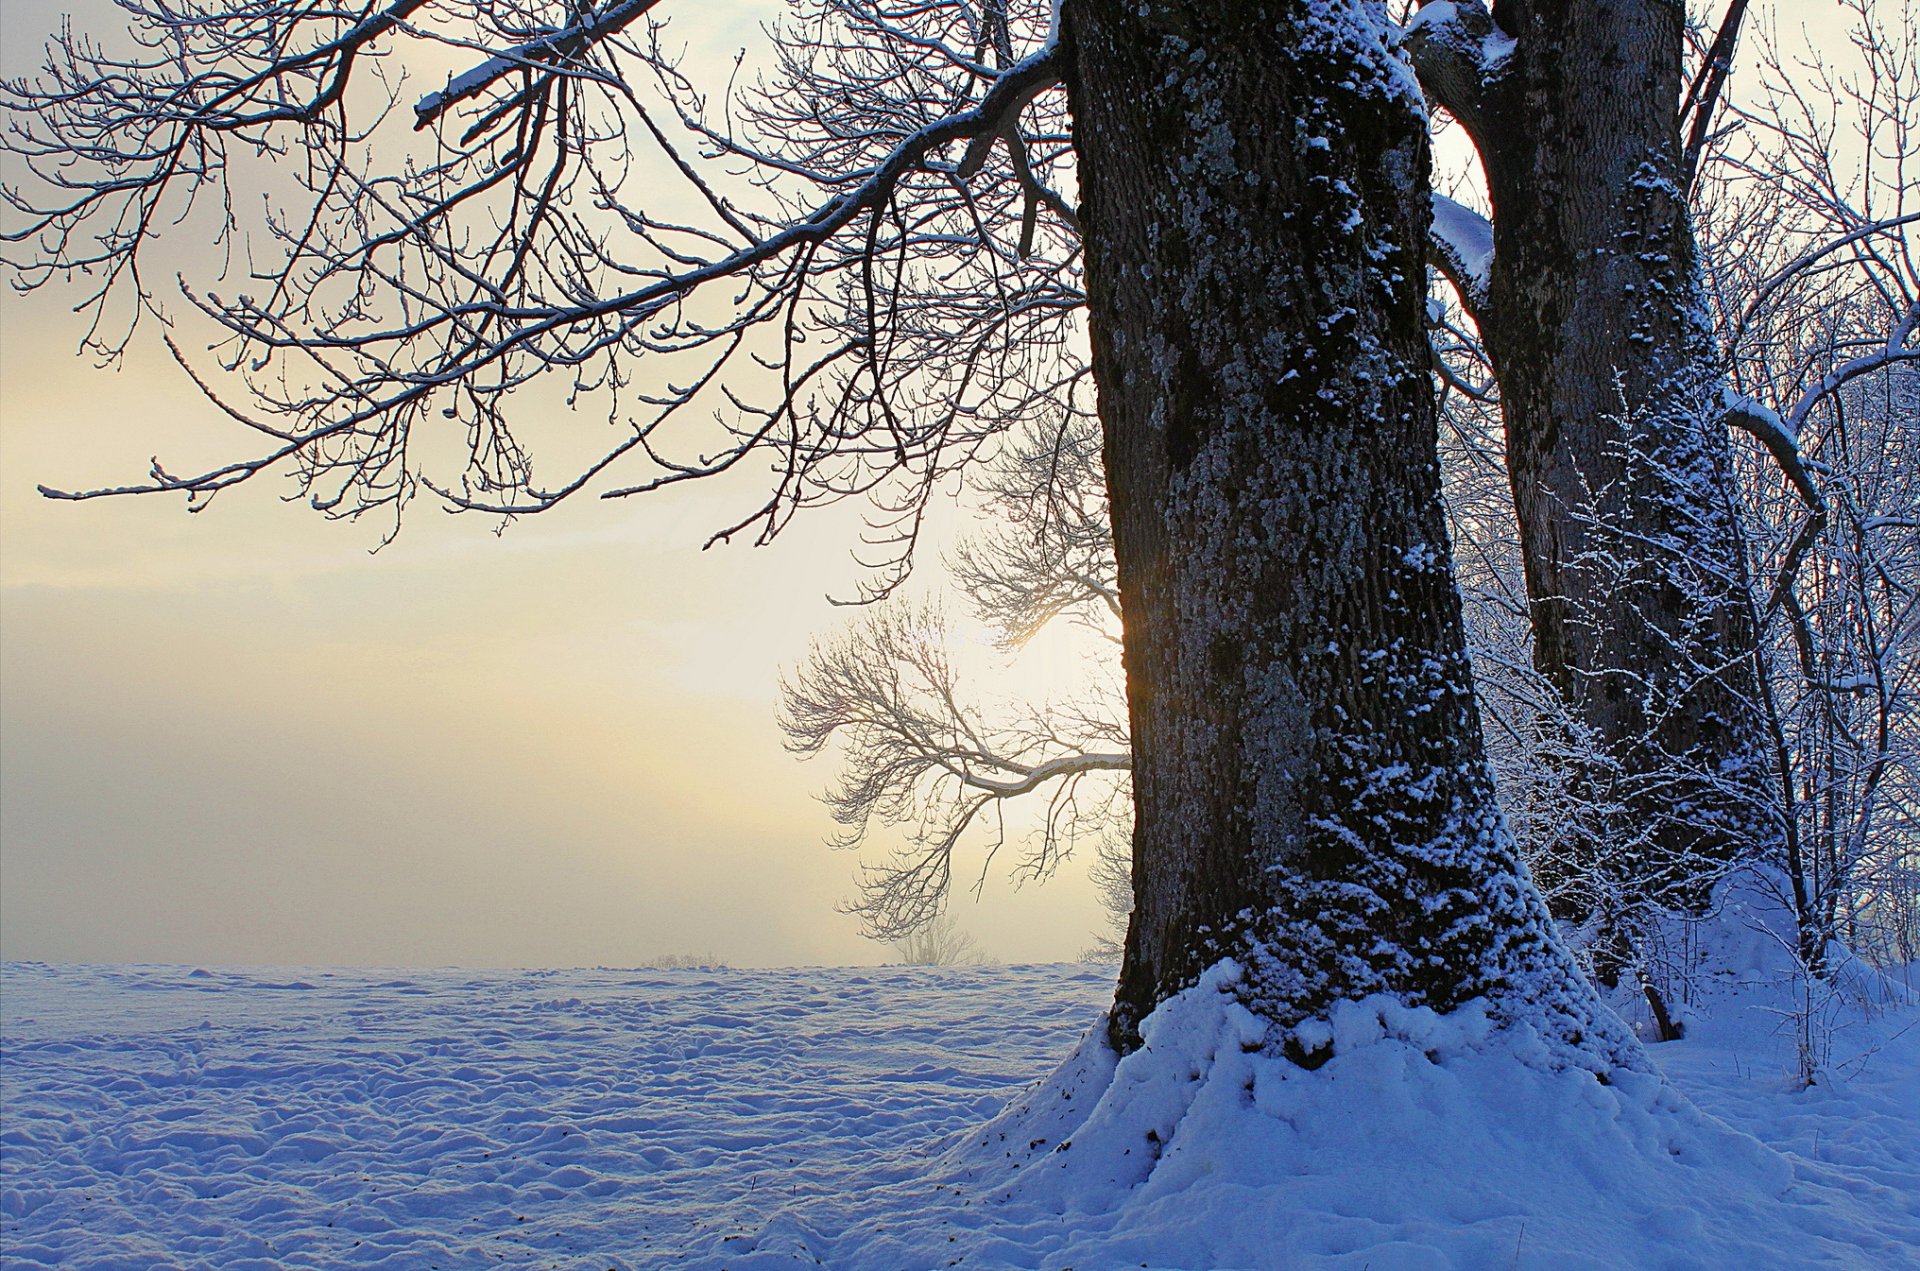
<point>1309,786</point>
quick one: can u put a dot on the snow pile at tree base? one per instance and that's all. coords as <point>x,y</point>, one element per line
<point>1425,1142</point>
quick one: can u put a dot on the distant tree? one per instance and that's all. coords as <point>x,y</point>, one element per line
<point>686,962</point>
<point>918,751</point>
<point>1311,795</point>
<point>1112,875</point>
<point>939,942</point>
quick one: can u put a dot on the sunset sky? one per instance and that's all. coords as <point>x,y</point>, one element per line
<point>238,737</point>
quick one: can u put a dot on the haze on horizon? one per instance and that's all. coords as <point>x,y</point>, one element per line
<point>240,738</point>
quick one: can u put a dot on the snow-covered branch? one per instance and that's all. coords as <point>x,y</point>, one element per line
<point>554,52</point>
<point>1462,242</point>
<point>1781,439</point>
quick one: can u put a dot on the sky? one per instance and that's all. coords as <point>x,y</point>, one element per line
<point>242,737</point>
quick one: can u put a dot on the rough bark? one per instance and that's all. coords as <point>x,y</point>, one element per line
<point>1309,787</point>
<point>1613,399</point>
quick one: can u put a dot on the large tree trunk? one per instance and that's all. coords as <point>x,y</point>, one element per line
<point>1309,787</point>
<point>1613,401</point>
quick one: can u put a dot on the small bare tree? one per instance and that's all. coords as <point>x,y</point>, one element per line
<point>917,751</point>
<point>939,942</point>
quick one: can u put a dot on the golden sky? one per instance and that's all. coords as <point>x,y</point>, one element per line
<point>237,737</point>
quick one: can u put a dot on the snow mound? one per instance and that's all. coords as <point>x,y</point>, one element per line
<point>1427,1141</point>
<point>1735,971</point>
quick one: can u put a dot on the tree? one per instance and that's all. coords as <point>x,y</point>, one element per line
<point>1311,794</point>
<point>1813,278</point>
<point>1634,568</point>
<point>918,751</point>
<point>1564,785</point>
<point>939,943</point>
<point>1614,402</point>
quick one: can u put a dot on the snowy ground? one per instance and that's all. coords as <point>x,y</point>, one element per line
<point>178,1117</point>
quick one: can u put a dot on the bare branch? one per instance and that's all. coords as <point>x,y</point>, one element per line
<point>1703,93</point>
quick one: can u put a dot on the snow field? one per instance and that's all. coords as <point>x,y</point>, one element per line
<point>887,1120</point>
<point>239,1121</point>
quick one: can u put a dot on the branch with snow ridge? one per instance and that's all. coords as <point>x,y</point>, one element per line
<point>549,53</point>
<point>1462,242</point>
<point>1781,440</point>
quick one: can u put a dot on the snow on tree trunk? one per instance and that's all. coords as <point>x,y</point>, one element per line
<point>1613,397</point>
<point>1311,796</point>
